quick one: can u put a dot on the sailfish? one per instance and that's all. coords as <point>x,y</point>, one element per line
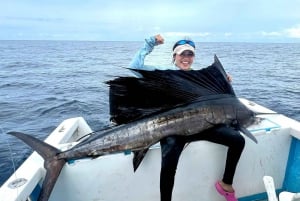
<point>158,104</point>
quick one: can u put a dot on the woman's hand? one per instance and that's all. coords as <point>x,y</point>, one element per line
<point>229,78</point>
<point>159,39</point>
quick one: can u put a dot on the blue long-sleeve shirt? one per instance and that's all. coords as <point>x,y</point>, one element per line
<point>139,58</point>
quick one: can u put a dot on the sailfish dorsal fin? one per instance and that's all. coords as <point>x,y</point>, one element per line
<point>132,98</point>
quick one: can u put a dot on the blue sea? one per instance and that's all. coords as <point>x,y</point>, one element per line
<point>43,83</point>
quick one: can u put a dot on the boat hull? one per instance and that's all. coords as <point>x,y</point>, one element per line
<point>111,177</point>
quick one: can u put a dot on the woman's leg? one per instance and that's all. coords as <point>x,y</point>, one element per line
<point>229,137</point>
<point>235,142</point>
<point>171,148</point>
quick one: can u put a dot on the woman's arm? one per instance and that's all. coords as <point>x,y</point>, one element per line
<point>139,58</point>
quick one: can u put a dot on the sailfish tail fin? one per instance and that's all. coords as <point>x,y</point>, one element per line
<point>52,165</point>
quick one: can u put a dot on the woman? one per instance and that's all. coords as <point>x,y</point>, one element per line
<point>171,147</point>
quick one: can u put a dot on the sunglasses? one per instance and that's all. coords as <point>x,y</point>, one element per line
<point>182,42</point>
<point>187,54</point>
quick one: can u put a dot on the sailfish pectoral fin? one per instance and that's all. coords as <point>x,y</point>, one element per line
<point>138,158</point>
<point>52,165</point>
<point>248,134</point>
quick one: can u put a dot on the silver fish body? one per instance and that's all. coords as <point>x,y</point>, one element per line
<point>184,120</point>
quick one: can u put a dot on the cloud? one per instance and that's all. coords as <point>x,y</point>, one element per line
<point>293,32</point>
<point>228,34</point>
<point>273,33</point>
<point>182,34</point>
<point>31,19</point>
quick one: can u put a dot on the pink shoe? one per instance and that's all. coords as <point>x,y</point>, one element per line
<point>228,196</point>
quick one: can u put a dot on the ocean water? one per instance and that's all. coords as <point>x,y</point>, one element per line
<point>44,82</point>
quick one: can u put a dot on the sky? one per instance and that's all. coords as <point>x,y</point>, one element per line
<point>134,20</point>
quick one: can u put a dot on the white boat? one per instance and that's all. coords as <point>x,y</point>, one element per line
<point>111,177</point>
